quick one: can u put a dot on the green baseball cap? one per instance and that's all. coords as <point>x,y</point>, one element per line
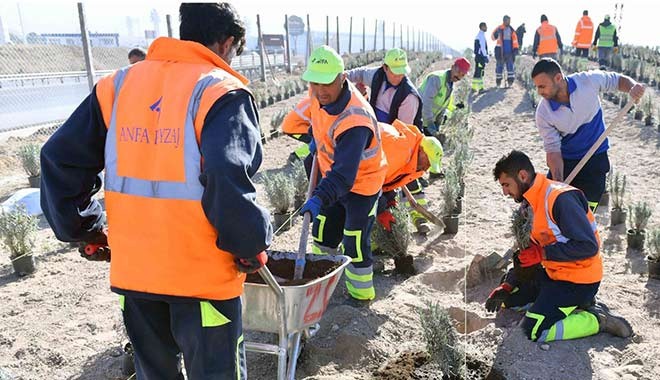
<point>323,66</point>
<point>397,60</point>
<point>433,149</point>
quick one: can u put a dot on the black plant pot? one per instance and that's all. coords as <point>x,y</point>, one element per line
<point>270,100</point>
<point>35,181</point>
<point>263,104</point>
<point>24,265</point>
<point>639,114</point>
<point>298,202</point>
<point>282,221</point>
<point>648,121</point>
<point>617,217</point>
<point>604,199</point>
<point>451,224</point>
<point>278,97</point>
<point>459,206</point>
<point>654,269</point>
<point>403,264</point>
<point>636,239</point>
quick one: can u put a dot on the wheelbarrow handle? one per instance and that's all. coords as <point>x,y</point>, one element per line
<point>270,280</point>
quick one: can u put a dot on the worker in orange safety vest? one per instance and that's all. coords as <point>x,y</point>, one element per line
<point>547,42</point>
<point>584,33</point>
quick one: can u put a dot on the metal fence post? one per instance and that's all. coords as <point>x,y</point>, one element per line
<point>375,33</point>
<point>261,50</point>
<point>288,44</point>
<point>338,48</point>
<point>87,51</point>
<point>327,30</point>
<point>350,35</point>
<point>384,35</point>
<point>309,40</point>
<point>364,35</point>
<point>168,19</point>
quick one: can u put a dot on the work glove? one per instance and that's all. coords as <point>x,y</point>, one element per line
<point>312,206</point>
<point>615,50</point>
<point>385,218</point>
<point>594,47</point>
<point>498,296</point>
<point>460,106</point>
<point>431,130</point>
<point>96,249</point>
<point>252,264</point>
<point>530,256</point>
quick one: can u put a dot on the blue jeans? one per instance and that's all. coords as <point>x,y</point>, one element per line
<point>604,55</point>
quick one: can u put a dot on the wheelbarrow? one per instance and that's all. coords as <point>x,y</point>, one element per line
<point>289,311</point>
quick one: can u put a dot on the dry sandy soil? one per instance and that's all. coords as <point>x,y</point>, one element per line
<point>63,322</point>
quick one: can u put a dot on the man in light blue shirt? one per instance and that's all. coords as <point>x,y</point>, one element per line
<point>570,120</point>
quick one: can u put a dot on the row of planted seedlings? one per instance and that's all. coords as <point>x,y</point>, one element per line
<point>459,133</point>
<point>638,216</point>
<point>17,226</point>
<point>647,110</point>
<point>524,66</point>
<point>640,63</point>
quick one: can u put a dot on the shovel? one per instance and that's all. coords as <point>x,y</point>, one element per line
<point>419,208</point>
<point>304,233</point>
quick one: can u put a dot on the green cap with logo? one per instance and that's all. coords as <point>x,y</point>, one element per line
<point>433,150</point>
<point>397,60</point>
<point>323,66</point>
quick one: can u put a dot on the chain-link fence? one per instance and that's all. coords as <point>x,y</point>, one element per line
<point>43,69</point>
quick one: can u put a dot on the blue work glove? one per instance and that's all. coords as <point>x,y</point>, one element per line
<point>312,146</point>
<point>431,130</point>
<point>312,206</point>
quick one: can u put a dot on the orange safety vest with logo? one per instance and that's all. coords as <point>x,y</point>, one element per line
<point>547,39</point>
<point>541,197</point>
<point>297,122</point>
<point>584,33</point>
<point>162,242</point>
<point>326,128</point>
<point>500,37</point>
<point>401,145</point>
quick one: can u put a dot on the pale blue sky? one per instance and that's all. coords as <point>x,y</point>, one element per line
<point>455,23</point>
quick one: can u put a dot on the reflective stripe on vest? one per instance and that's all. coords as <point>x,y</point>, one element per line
<point>606,37</point>
<point>357,111</point>
<point>547,39</point>
<point>191,189</point>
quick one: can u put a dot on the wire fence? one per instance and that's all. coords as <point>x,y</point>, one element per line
<point>44,72</point>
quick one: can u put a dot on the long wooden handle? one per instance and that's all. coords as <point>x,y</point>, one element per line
<point>304,233</point>
<point>598,142</point>
<point>419,208</point>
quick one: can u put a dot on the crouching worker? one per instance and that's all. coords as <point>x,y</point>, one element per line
<point>409,155</point>
<point>352,166</point>
<point>564,240</point>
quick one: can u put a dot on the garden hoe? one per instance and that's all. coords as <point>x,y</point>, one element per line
<point>304,233</point>
<point>617,119</point>
<point>419,208</point>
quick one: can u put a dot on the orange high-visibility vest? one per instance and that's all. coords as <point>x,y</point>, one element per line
<point>326,128</point>
<point>162,242</point>
<point>401,143</point>
<point>541,197</point>
<point>500,37</point>
<point>584,33</point>
<point>547,39</point>
<point>298,121</point>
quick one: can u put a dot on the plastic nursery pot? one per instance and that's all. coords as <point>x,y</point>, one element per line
<point>24,265</point>
<point>654,268</point>
<point>636,239</point>
<point>639,115</point>
<point>282,221</point>
<point>35,181</point>
<point>451,224</point>
<point>617,217</point>
<point>459,206</point>
<point>604,199</point>
<point>648,121</point>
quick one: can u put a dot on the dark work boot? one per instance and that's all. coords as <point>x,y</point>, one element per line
<point>609,322</point>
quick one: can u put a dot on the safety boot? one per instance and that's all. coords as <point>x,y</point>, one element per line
<point>422,226</point>
<point>498,82</point>
<point>609,322</point>
<point>509,81</point>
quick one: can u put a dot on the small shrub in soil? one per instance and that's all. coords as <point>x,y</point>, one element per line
<point>279,190</point>
<point>395,243</point>
<point>617,184</point>
<point>653,257</point>
<point>402,367</point>
<point>442,341</point>
<point>300,183</point>
<point>638,215</point>
<point>17,231</point>
<point>29,156</point>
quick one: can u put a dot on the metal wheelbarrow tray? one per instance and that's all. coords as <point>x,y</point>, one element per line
<point>288,311</point>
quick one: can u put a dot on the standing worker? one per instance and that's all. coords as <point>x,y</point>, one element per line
<point>564,240</point>
<point>547,42</point>
<point>136,55</point>
<point>480,58</point>
<point>505,51</point>
<point>584,32</point>
<point>570,120</point>
<point>394,97</point>
<point>520,32</point>
<point>352,165</point>
<point>178,137</point>
<point>606,41</point>
<point>437,95</point>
